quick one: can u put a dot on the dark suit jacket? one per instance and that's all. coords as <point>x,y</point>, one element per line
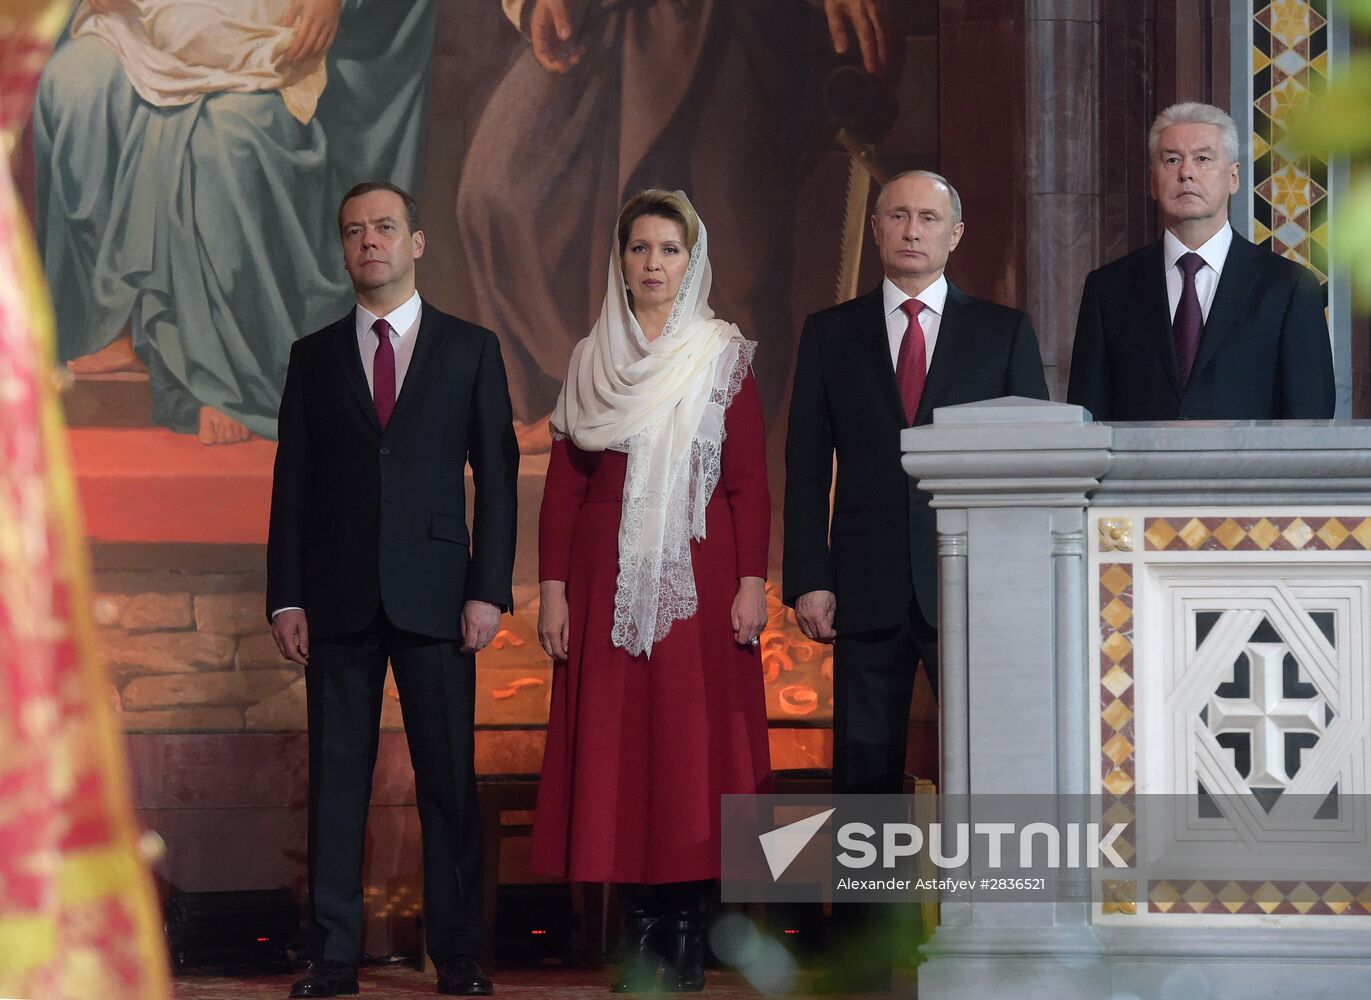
<point>845,400</point>
<point>363,518</point>
<point>1264,353</point>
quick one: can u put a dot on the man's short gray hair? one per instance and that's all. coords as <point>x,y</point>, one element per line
<point>1194,113</point>
<point>952,194</point>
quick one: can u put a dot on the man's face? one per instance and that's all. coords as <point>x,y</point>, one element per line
<point>379,251</point>
<point>914,230</point>
<point>1192,177</point>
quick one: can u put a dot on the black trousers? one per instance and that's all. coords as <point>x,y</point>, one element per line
<point>873,685</point>
<point>344,685</point>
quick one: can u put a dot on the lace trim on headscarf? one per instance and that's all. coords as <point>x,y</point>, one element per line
<point>660,586</point>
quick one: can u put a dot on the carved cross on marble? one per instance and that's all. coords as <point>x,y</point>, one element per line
<point>1266,715</point>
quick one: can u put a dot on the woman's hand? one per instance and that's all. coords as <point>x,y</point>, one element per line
<point>749,609</point>
<point>552,618</point>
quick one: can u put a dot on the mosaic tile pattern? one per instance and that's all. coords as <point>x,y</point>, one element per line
<point>1290,63</point>
<point>1338,899</point>
<point>1116,678</point>
<point>1257,533</point>
<point>1117,735</point>
<point>1117,759</point>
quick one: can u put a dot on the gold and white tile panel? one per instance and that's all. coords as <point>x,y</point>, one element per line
<point>1177,597</point>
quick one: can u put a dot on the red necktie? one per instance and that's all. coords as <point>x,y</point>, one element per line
<point>1189,321</point>
<point>912,366</point>
<point>383,373</point>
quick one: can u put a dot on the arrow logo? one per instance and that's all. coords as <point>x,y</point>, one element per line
<point>783,844</point>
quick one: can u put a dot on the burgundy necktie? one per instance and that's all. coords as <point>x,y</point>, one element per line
<point>383,373</point>
<point>1188,323</point>
<point>911,368</point>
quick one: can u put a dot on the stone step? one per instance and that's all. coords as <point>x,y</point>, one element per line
<point>119,399</point>
<point>152,485</point>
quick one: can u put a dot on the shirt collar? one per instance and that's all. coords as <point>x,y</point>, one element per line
<point>401,318</point>
<point>1214,251</point>
<point>934,297</point>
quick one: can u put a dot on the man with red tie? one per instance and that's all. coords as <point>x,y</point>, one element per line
<point>369,560</point>
<point>866,370</point>
<point>1201,324</point>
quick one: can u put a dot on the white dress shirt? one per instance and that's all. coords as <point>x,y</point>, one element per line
<point>934,298</point>
<point>1214,252</point>
<point>404,330</point>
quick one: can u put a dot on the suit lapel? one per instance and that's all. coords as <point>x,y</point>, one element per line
<point>425,348</point>
<point>350,358</point>
<point>948,345</point>
<point>1150,280</point>
<point>1235,288</point>
<point>871,321</point>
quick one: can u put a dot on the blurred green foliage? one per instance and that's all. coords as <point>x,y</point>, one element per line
<point>1338,123</point>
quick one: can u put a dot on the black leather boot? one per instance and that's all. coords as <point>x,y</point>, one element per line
<point>642,952</point>
<point>685,953</point>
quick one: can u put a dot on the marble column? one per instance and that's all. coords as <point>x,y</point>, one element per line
<point>1009,480</point>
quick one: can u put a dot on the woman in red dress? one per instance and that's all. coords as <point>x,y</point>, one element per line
<point>652,546</point>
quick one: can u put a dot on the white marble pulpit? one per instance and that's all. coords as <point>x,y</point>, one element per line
<point>1160,613</point>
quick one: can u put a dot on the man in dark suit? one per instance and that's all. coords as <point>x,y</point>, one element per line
<point>1201,325</point>
<point>866,370</point>
<point>369,560</point>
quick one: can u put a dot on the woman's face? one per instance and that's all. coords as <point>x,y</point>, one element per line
<point>655,259</point>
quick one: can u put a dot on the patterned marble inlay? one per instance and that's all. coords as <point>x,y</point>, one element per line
<point>1117,749</point>
<point>1116,678</point>
<point>1290,62</point>
<point>1256,533</point>
<point>1232,684</point>
<point>1337,899</point>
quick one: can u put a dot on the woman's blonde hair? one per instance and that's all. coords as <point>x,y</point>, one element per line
<point>673,205</point>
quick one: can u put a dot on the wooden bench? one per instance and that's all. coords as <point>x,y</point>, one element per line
<point>518,793</point>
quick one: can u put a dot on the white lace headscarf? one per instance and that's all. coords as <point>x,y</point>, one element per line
<point>663,403</point>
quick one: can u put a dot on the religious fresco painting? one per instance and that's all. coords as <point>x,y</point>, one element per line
<point>185,164</point>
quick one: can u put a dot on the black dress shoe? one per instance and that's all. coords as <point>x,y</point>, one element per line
<point>327,979</point>
<point>462,977</point>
